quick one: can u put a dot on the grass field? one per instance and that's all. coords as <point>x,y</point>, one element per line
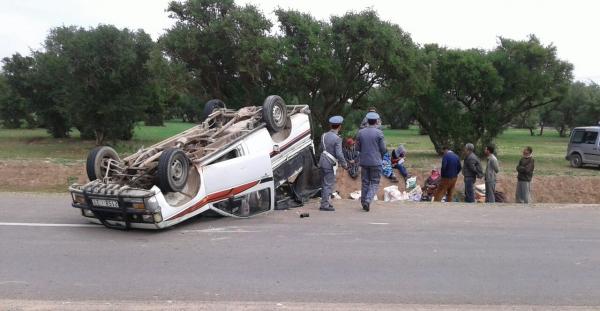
<point>549,150</point>
<point>22,144</point>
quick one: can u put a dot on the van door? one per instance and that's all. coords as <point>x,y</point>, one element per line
<point>241,186</point>
<point>589,147</point>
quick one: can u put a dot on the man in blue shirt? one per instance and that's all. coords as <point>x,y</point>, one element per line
<point>450,169</point>
<point>371,145</point>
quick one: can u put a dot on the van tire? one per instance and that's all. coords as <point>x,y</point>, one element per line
<point>173,169</point>
<point>274,113</point>
<point>575,160</point>
<point>93,164</point>
<point>210,107</point>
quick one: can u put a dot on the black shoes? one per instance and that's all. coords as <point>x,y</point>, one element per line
<point>366,207</point>
<point>327,209</point>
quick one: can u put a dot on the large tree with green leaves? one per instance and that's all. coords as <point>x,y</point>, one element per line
<point>332,65</point>
<point>226,48</point>
<point>472,95</point>
<point>17,91</point>
<point>104,79</point>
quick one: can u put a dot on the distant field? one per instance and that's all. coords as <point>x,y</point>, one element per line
<point>549,150</point>
<point>38,144</point>
<point>31,160</point>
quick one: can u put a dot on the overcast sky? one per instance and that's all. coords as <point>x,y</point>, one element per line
<point>572,26</point>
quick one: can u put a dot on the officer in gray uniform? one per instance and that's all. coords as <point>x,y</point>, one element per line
<point>331,144</point>
<point>371,145</point>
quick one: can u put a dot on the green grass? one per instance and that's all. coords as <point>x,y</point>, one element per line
<point>549,150</point>
<point>38,144</point>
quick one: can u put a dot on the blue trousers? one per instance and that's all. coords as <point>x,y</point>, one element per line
<point>469,189</point>
<point>402,170</point>
<point>370,176</point>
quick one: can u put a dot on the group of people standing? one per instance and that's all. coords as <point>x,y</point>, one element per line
<point>471,170</point>
<point>368,150</point>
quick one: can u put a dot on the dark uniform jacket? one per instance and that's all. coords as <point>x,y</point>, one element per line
<point>371,145</point>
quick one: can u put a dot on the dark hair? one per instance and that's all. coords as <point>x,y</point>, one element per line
<point>372,121</point>
<point>372,109</point>
<point>445,148</point>
<point>491,148</point>
<point>528,148</point>
<point>335,126</point>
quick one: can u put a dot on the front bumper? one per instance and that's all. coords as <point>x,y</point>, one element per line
<point>117,207</point>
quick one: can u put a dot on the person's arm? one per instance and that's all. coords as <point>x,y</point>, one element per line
<point>444,166</point>
<point>479,169</point>
<point>459,167</point>
<point>520,168</point>
<point>495,166</point>
<point>339,154</point>
<point>528,168</point>
<point>382,148</point>
<point>357,145</point>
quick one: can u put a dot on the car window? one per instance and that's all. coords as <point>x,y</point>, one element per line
<point>578,137</point>
<point>590,137</point>
<point>232,154</point>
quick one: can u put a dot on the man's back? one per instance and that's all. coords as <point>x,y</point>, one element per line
<point>371,145</point>
<point>450,165</point>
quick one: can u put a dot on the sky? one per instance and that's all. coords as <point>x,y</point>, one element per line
<point>572,26</point>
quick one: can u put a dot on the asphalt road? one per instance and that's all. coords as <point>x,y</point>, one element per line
<point>397,254</point>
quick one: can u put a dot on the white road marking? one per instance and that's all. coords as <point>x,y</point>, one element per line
<point>35,224</point>
<point>379,223</point>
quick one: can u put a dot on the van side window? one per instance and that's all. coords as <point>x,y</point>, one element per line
<point>590,137</point>
<point>578,137</point>
<point>232,154</point>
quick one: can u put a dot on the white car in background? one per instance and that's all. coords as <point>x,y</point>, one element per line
<point>237,163</point>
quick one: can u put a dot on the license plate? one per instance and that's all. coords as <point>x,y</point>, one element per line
<point>105,203</point>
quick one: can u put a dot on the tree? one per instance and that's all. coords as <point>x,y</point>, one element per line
<point>396,110</point>
<point>331,66</point>
<point>529,119</point>
<point>15,100</point>
<point>226,49</point>
<point>104,79</point>
<point>580,107</point>
<point>473,95</point>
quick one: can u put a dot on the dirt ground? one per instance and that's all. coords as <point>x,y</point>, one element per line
<point>39,175</point>
<point>52,176</point>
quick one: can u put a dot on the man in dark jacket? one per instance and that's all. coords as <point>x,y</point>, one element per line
<point>450,169</point>
<point>524,176</point>
<point>371,146</point>
<point>472,170</point>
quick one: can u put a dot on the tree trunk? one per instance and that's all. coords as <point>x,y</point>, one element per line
<point>99,137</point>
<point>541,129</point>
<point>531,131</point>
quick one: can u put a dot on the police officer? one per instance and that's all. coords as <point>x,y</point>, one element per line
<point>371,145</point>
<point>332,154</point>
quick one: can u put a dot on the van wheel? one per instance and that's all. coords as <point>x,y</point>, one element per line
<point>95,165</point>
<point>274,113</point>
<point>576,160</point>
<point>210,107</point>
<point>172,172</point>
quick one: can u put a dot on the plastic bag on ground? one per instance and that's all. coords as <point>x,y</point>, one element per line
<point>411,183</point>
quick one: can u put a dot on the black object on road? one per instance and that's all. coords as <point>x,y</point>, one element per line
<point>302,215</point>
